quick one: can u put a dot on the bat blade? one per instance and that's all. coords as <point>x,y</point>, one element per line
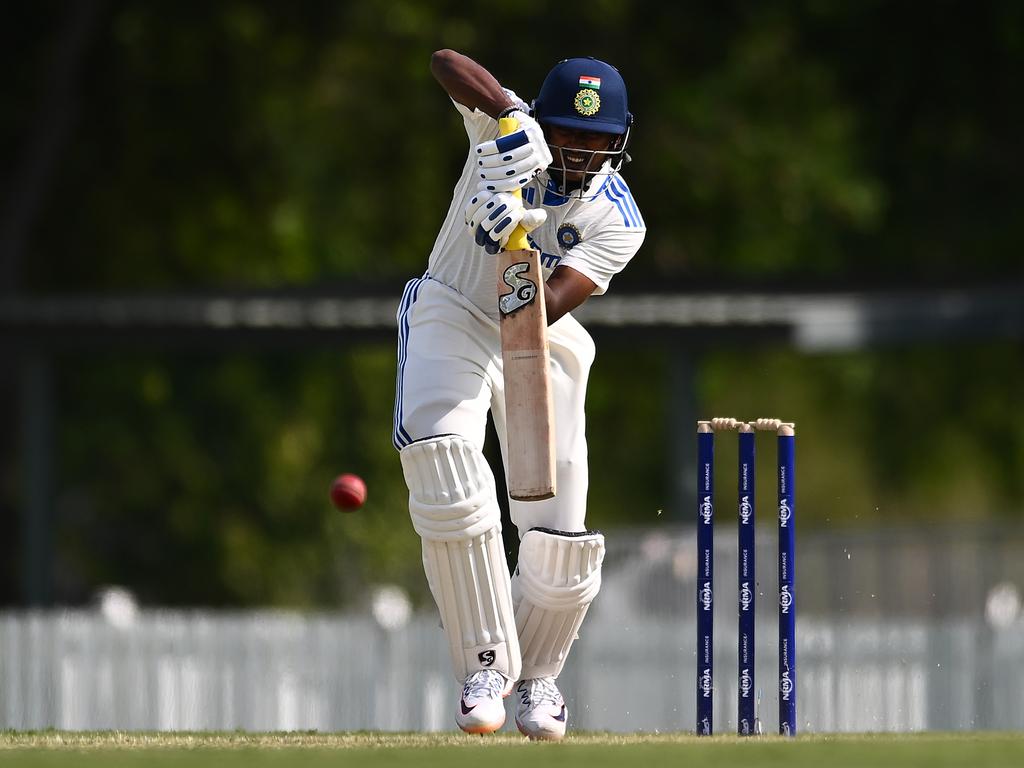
<point>526,360</point>
<point>529,408</point>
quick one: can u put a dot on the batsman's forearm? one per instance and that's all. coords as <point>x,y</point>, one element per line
<point>565,290</point>
<point>468,83</point>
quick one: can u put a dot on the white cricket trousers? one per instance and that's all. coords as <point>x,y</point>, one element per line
<point>450,375</point>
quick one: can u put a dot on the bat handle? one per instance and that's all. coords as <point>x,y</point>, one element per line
<point>517,240</point>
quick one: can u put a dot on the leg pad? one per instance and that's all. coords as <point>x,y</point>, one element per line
<point>455,511</point>
<point>559,574</point>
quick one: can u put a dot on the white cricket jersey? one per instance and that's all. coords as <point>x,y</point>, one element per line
<point>596,236</point>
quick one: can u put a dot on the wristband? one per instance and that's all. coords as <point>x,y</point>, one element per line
<point>507,111</point>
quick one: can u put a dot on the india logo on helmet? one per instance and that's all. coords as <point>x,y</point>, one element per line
<point>587,102</point>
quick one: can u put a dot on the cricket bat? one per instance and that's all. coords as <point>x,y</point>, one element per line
<point>529,408</point>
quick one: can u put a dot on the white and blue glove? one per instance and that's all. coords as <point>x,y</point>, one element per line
<point>492,216</point>
<point>509,162</point>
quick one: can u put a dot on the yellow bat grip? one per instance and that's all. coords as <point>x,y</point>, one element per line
<point>517,240</point>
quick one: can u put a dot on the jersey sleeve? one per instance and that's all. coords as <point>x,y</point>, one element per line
<point>604,256</point>
<point>481,127</point>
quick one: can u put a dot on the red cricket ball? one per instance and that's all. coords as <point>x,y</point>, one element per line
<point>348,492</point>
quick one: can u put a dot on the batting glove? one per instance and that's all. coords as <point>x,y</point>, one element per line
<point>509,162</point>
<point>491,217</point>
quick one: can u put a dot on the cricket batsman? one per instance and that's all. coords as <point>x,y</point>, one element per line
<point>512,634</point>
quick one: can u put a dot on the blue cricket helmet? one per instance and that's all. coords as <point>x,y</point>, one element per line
<point>585,94</point>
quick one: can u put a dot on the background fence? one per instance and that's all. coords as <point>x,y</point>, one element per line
<point>896,631</point>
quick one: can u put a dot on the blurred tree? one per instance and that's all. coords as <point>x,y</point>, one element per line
<point>245,145</point>
<point>199,480</point>
<point>939,126</point>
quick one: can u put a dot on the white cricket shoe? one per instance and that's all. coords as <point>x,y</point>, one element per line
<point>482,706</point>
<point>541,712</point>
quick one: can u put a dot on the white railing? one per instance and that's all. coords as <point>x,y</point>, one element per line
<point>268,671</point>
<point>633,668</point>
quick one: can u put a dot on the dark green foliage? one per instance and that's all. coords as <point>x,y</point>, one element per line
<point>240,145</point>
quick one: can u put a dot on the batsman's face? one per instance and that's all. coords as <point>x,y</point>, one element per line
<point>577,152</point>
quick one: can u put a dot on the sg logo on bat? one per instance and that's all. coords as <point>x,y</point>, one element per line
<point>523,291</point>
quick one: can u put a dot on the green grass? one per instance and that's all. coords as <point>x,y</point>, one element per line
<point>452,750</point>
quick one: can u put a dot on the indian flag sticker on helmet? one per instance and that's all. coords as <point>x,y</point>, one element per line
<point>589,81</point>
